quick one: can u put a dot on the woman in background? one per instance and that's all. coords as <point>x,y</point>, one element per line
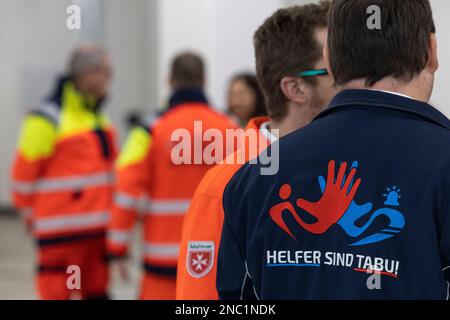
<point>245,98</point>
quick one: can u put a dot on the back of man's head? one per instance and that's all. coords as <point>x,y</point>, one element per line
<point>286,45</point>
<point>398,47</point>
<point>187,71</point>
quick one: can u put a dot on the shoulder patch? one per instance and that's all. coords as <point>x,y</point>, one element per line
<point>200,258</point>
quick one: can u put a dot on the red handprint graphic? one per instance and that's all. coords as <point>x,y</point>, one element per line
<point>334,202</point>
<point>328,210</point>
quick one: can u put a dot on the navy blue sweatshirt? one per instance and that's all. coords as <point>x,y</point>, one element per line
<point>359,208</point>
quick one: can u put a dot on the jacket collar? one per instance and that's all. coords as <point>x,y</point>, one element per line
<point>384,100</point>
<point>259,124</point>
<point>66,87</point>
<point>256,123</point>
<point>182,96</point>
<point>57,94</point>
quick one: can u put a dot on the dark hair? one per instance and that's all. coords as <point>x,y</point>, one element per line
<point>188,71</point>
<point>285,45</point>
<point>399,49</point>
<point>251,81</point>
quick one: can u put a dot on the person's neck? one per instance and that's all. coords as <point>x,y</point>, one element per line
<point>416,89</point>
<point>296,118</point>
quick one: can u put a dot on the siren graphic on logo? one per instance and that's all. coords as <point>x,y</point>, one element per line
<point>337,206</point>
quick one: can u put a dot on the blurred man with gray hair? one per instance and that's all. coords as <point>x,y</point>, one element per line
<point>62,179</point>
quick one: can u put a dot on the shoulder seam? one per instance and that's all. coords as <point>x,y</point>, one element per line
<point>49,111</point>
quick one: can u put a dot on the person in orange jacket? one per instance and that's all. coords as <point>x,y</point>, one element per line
<point>62,180</point>
<point>297,89</point>
<point>152,164</point>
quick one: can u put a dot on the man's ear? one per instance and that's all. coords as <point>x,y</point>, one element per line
<point>294,89</point>
<point>433,60</point>
<point>326,58</point>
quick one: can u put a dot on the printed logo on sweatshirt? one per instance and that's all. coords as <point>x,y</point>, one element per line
<point>311,259</point>
<point>337,206</point>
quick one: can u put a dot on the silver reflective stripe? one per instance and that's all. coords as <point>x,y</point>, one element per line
<point>69,222</point>
<point>162,251</point>
<point>51,111</point>
<point>75,182</point>
<point>119,237</point>
<point>168,207</point>
<point>23,187</point>
<point>64,184</point>
<point>125,201</point>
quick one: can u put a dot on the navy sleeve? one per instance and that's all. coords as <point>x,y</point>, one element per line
<point>233,281</point>
<point>444,227</point>
<point>445,244</point>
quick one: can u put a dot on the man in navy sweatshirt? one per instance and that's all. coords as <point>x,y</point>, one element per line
<point>360,206</point>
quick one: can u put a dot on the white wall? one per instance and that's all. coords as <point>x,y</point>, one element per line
<point>221,30</point>
<point>30,40</point>
<point>130,35</point>
<point>234,26</point>
<point>441,96</point>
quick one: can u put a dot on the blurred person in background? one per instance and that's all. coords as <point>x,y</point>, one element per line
<point>296,91</point>
<point>245,98</point>
<point>63,175</point>
<point>146,168</point>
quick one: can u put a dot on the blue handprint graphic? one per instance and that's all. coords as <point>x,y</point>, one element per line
<point>355,212</point>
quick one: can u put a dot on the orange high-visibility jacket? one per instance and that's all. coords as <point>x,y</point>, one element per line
<point>146,168</point>
<point>202,228</point>
<point>63,171</point>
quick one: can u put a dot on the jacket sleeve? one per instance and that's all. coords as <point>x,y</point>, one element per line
<point>444,227</point>
<point>233,280</point>
<point>132,179</point>
<point>35,147</point>
<point>202,223</point>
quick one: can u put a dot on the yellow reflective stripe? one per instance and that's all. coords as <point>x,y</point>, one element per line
<point>136,147</point>
<point>37,139</point>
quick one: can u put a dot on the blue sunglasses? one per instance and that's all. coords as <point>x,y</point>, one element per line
<point>313,73</point>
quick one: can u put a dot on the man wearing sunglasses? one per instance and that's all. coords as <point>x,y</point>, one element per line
<point>290,69</point>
